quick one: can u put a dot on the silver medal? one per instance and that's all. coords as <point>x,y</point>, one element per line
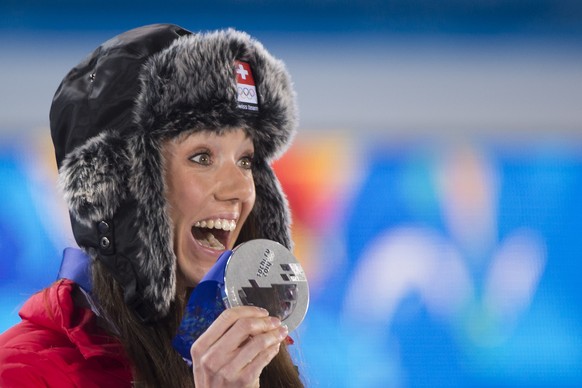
<point>264,273</point>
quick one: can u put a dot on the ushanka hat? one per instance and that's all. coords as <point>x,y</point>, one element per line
<point>110,117</point>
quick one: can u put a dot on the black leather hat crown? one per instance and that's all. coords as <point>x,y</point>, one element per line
<point>109,118</point>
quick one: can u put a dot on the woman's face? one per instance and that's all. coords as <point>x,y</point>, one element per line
<point>210,192</point>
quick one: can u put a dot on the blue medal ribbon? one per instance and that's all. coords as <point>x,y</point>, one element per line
<point>76,266</point>
<point>205,304</point>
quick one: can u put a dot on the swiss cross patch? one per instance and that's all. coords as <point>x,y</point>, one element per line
<point>245,87</point>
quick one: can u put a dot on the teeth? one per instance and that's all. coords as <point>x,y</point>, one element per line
<point>227,225</point>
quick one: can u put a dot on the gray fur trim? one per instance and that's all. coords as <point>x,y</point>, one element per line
<point>156,259</point>
<point>271,210</point>
<point>192,85</point>
<point>93,178</point>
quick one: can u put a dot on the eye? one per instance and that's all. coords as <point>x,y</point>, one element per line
<point>246,162</point>
<point>202,158</point>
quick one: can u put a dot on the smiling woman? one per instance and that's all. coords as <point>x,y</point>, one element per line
<point>210,192</point>
<point>164,162</point>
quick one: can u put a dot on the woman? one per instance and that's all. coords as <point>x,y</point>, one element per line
<point>163,140</point>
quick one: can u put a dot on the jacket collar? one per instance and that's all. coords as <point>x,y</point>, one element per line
<point>54,308</point>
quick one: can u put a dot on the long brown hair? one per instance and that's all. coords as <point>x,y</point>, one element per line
<point>154,361</point>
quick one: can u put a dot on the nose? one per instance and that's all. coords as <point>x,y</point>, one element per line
<point>234,184</point>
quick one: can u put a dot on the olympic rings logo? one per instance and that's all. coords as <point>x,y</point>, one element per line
<point>246,93</point>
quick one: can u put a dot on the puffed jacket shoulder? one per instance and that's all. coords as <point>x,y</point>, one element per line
<point>57,344</point>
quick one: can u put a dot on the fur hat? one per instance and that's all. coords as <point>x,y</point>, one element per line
<point>109,118</point>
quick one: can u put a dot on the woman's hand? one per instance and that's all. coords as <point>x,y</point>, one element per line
<point>236,347</point>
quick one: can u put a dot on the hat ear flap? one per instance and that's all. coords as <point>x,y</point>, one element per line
<point>155,261</point>
<point>93,178</point>
<point>271,210</point>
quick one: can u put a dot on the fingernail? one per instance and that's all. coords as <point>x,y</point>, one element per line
<point>276,322</point>
<point>263,311</point>
<point>283,331</point>
<point>289,341</point>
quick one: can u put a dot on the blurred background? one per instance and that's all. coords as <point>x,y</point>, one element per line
<point>435,182</point>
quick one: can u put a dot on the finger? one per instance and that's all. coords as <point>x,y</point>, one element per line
<point>216,359</point>
<point>245,329</point>
<point>257,345</point>
<point>225,321</point>
<point>224,350</point>
<point>252,370</point>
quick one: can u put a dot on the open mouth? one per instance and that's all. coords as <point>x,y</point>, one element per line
<point>213,234</point>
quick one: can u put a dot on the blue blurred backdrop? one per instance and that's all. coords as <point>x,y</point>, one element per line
<point>435,182</point>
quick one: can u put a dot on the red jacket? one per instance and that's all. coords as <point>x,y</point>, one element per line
<point>59,345</point>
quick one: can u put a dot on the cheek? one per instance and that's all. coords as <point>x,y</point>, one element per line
<point>186,196</point>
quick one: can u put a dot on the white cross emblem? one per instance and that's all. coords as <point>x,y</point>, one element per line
<point>241,70</point>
